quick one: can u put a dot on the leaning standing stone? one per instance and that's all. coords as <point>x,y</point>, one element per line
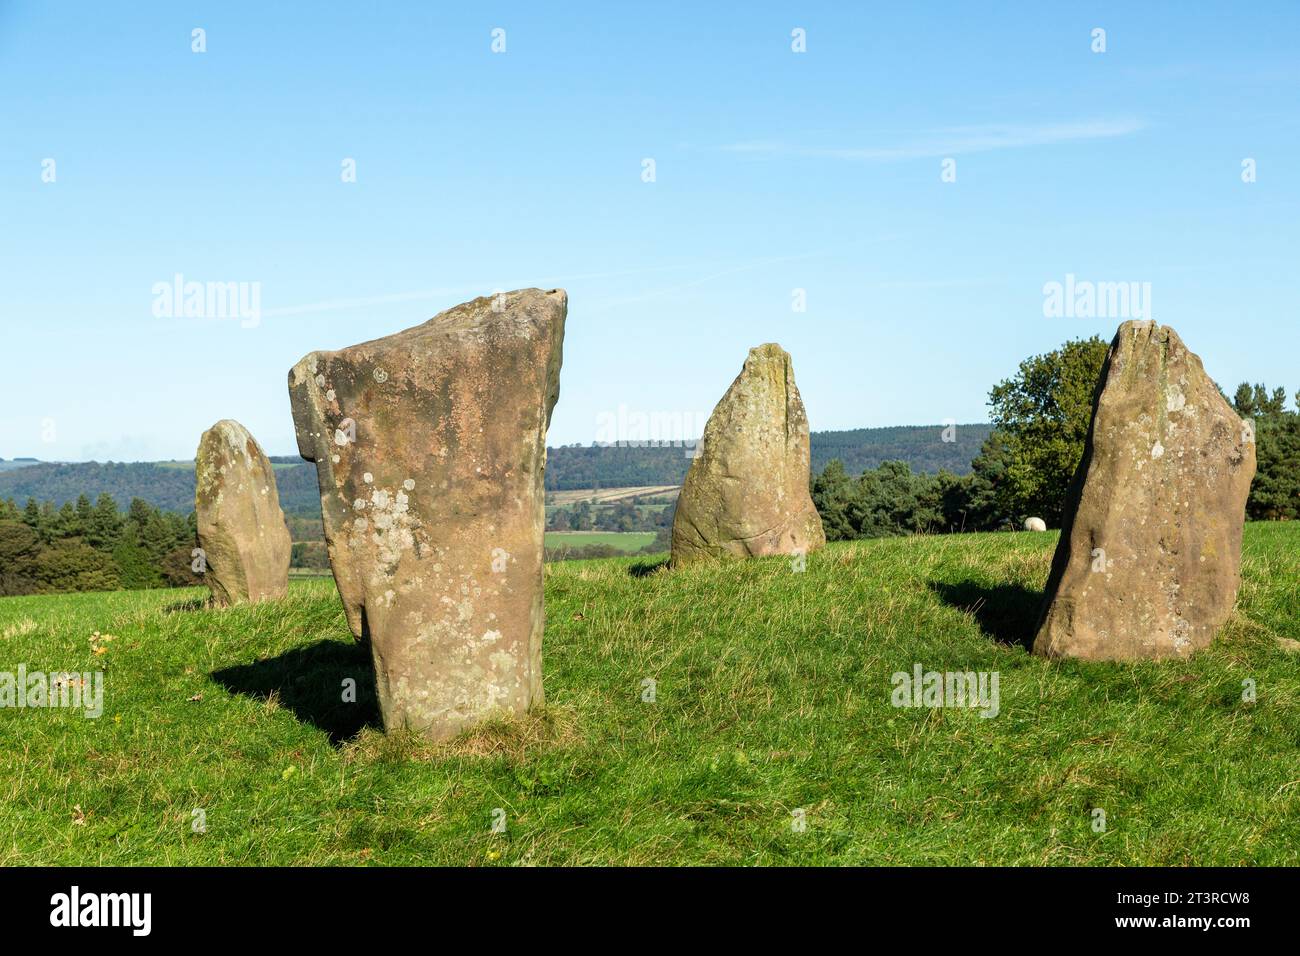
<point>246,546</point>
<point>746,494</point>
<point>430,447</point>
<point>1149,558</point>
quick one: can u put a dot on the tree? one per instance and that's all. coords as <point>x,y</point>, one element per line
<point>74,566</point>
<point>178,568</point>
<point>105,525</point>
<point>984,507</point>
<point>136,568</point>
<point>1042,415</point>
<point>1257,402</point>
<point>832,491</point>
<point>84,512</point>
<point>20,546</point>
<point>1275,492</point>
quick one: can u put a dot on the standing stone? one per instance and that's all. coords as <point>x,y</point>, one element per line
<point>1149,558</point>
<point>245,543</point>
<point>746,493</point>
<point>430,448</point>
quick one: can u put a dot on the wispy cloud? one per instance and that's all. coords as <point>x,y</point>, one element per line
<point>952,141</point>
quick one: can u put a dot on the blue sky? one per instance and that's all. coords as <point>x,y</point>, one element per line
<point>774,171</point>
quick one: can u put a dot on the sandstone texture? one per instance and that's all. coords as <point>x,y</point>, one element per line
<point>1149,558</point>
<point>430,448</point>
<point>746,493</point>
<point>246,546</point>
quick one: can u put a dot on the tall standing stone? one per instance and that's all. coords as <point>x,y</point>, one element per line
<point>430,447</point>
<point>1149,558</point>
<point>246,546</point>
<point>746,493</point>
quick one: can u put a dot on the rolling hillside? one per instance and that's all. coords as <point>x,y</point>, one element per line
<point>170,485</point>
<point>772,704</point>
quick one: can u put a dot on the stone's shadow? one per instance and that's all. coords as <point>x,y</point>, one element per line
<point>1005,612</point>
<point>185,607</point>
<point>309,682</point>
<point>643,569</point>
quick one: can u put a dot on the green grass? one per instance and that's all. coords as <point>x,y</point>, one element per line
<point>628,541</point>
<point>773,694</point>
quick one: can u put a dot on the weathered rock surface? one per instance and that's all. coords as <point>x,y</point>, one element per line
<point>1035,524</point>
<point>246,546</point>
<point>430,447</point>
<point>1149,559</point>
<point>746,493</point>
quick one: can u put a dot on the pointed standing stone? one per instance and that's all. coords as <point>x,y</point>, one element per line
<point>430,447</point>
<point>246,546</point>
<point>746,494</point>
<point>1149,558</point>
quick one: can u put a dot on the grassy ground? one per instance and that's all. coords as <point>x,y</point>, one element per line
<point>773,695</point>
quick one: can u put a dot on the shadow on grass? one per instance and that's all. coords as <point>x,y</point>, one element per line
<point>643,569</point>
<point>1005,612</point>
<point>309,682</point>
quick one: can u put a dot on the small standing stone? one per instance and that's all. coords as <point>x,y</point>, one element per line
<point>747,494</point>
<point>246,546</point>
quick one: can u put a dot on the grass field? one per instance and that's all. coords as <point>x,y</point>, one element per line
<point>772,696</point>
<point>628,541</point>
<point>610,495</point>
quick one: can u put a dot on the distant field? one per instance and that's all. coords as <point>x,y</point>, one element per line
<point>771,704</point>
<point>628,541</point>
<point>608,495</point>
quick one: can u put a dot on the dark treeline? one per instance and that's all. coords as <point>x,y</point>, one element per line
<point>922,446</point>
<point>85,547</point>
<point>170,485</point>
<point>573,467</point>
<point>165,485</point>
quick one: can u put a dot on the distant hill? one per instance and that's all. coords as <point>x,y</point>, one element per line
<point>170,484</point>
<point>167,485</point>
<point>16,463</point>
<point>921,446</point>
